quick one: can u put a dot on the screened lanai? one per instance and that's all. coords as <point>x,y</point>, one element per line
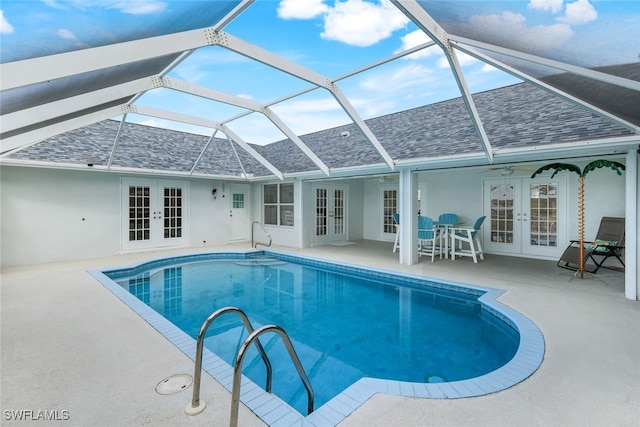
<point>253,91</point>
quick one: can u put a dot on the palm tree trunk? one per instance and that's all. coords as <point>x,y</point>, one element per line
<point>581,225</point>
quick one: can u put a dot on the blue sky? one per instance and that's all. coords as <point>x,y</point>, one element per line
<point>331,38</point>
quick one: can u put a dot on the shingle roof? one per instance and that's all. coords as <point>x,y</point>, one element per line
<point>515,116</point>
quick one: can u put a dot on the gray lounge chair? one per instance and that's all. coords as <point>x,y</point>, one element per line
<point>609,242</point>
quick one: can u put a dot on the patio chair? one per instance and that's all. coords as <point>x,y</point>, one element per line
<point>470,236</point>
<point>609,242</point>
<point>448,218</point>
<point>446,221</point>
<point>287,217</point>
<point>428,238</point>
<point>396,224</point>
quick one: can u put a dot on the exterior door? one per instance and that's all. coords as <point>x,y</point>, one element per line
<point>239,212</point>
<point>525,216</point>
<point>330,222</point>
<point>389,198</point>
<point>154,213</point>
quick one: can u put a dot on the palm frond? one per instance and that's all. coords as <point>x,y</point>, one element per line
<point>558,167</point>
<point>618,167</point>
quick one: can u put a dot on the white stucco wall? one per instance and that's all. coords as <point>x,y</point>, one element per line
<point>56,215</point>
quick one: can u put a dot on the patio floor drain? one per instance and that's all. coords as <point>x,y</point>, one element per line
<point>174,384</point>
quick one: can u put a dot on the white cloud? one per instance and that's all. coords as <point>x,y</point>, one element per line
<point>579,12</point>
<point>553,6</point>
<point>310,115</point>
<point>54,4</point>
<point>198,66</point>
<point>463,59</point>
<point>359,23</point>
<point>139,7</point>
<point>486,68</point>
<point>511,28</point>
<point>156,123</point>
<point>5,26</point>
<point>166,124</point>
<point>301,9</point>
<point>131,7</point>
<point>353,22</point>
<point>416,38</point>
<point>66,34</point>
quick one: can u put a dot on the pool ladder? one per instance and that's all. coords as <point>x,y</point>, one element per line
<point>255,245</point>
<point>198,406</point>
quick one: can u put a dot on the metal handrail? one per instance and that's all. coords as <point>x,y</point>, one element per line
<point>196,405</point>
<point>237,369</point>
<point>265,232</point>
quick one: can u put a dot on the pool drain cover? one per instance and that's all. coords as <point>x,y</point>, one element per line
<point>174,384</point>
<point>434,378</point>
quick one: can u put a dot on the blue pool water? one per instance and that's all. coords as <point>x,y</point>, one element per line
<point>345,323</point>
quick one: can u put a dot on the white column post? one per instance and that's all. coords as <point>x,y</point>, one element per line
<point>408,217</point>
<point>631,273</point>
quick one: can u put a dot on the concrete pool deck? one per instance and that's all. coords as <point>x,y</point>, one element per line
<point>72,349</point>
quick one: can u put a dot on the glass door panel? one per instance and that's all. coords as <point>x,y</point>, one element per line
<point>389,208</point>
<point>331,213</point>
<point>544,214</point>
<point>502,200</point>
<point>545,233</point>
<point>172,212</point>
<point>338,211</point>
<point>321,212</point>
<point>139,213</point>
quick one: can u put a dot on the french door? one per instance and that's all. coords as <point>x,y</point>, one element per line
<point>330,222</point>
<point>153,213</point>
<point>389,197</point>
<point>525,216</point>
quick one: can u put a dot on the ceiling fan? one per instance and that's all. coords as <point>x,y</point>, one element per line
<point>509,170</point>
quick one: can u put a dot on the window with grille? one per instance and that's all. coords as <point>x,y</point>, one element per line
<point>238,201</point>
<point>278,204</point>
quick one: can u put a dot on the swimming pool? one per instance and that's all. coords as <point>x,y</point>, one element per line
<point>357,331</point>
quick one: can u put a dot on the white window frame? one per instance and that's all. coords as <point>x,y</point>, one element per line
<point>279,205</point>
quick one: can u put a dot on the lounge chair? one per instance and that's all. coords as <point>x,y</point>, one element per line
<point>609,242</point>
<point>470,236</point>
<point>428,234</point>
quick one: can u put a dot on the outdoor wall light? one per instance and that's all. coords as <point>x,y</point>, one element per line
<point>214,192</point>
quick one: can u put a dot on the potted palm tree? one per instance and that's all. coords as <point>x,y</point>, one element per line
<point>596,164</point>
